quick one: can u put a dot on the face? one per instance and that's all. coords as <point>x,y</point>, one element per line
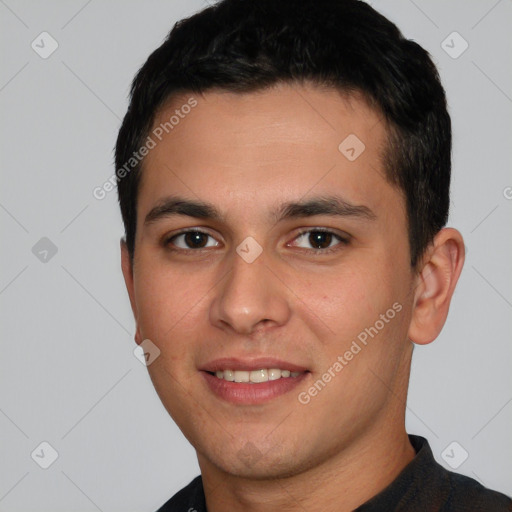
<point>271,249</point>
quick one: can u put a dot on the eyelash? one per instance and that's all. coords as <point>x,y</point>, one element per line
<point>342,241</point>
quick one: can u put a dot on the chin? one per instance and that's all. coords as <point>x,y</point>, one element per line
<point>249,462</point>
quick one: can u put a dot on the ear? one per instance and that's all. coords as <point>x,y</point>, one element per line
<point>127,268</point>
<point>440,271</point>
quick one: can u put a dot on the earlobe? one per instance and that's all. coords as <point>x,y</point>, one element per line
<point>127,268</point>
<point>435,285</point>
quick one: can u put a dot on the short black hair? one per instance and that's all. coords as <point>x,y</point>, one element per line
<point>245,46</point>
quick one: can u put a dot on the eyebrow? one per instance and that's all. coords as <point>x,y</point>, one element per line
<point>171,206</point>
<point>322,205</point>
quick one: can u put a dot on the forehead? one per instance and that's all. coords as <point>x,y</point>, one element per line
<point>248,150</point>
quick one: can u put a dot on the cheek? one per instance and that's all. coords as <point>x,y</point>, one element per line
<point>346,299</point>
<point>360,309</point>
<point>168,302</point>
<point>364,345</point>
<point>168,306</point>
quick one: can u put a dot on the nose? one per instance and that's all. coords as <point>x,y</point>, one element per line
<point>250,298</point>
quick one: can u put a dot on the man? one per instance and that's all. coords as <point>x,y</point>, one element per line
<point>284,173</point>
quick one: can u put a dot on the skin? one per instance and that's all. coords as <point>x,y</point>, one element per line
<point>247,154</point>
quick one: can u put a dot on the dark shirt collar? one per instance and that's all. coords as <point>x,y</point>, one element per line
<point>421,473</point>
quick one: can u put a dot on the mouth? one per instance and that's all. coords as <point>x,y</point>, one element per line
<point>255,376</point>
<point>252,382</point>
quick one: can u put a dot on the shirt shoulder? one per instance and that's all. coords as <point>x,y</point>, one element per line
<point>188,499</point>
<point>465,493</point>
<point>426,486</point>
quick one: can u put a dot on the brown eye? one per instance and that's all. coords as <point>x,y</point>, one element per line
<point>192,240</point>
<point>320,239</point>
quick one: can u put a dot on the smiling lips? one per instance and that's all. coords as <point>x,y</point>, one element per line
<point>252,382</point>
<point>255,376</point>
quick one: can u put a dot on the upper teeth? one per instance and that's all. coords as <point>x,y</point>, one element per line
<point>262,375</point>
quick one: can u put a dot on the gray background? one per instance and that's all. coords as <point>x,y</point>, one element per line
<point>67,369</point>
